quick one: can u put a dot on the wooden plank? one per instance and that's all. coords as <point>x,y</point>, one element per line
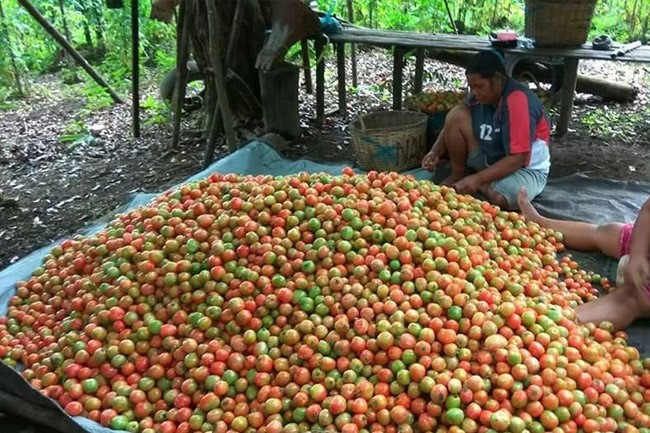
<point>419,70</point>
<point>340,67</point>
<point>398,76</point>
<point>568,89</point>
<point>319,45</point>
<point>475,43</point>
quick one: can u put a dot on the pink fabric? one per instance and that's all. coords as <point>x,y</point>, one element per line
<point>626,244</point>
<point>626,239</point>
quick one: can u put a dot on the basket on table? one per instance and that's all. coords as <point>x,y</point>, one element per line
<point>389,140</point>
<point>559,22</point>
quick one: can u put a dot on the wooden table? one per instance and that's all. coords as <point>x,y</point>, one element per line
<point>402,42</point>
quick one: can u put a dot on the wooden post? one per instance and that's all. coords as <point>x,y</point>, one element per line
<point>353,47</point>
<point>319,45</point>
<point>217,65</point>
<point>234,33</point>
<point>304,48</point>
<point>340,66</point>
<point>182,55</point>
<point>58,37</point>
<point>135,67</point>
<point>398,76</point>
<point>568,89</point>
<point>215,130</point>
<point>419,70</point>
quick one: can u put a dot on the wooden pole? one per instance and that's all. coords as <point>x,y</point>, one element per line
<point>182,45</point>
<point>419,70</point>
<point>353,49</point>
<point>304,49</point>
<point>340,66</point>
<point>398,76</point>
<point>60,39</point>
<point>135,67</point>
<point>234,33</point>
<point>568,89</point>
<point>215,131</point>
<point>217,64</point>
<point>319,45</point>
<point>451,18</point>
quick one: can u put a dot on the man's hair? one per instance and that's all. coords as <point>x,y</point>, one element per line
<point>487,64</point>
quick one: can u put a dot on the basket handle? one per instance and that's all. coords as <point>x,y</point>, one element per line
<point>363,124</point>
<point>532,78</point>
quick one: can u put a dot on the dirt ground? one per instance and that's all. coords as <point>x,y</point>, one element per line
<point>50,190</point>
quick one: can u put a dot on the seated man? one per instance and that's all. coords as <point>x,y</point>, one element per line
<point>501,133</point>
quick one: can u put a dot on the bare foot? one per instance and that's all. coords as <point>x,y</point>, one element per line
<point>526,207</point>
<point>621,307</point>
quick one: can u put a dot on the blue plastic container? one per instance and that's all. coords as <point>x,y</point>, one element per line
<point>435,124</point>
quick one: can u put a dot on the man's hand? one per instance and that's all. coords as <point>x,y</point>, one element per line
<point>637,272</point>
<point>433,158</point>
<point>430,161</point>
<point>468,184</point>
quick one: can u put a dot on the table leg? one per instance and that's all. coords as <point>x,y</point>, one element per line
<point>568,90</point>
<point>398,75</point>
<point>304,48</point>
<point>419,70</point>
<point>340,66</point>
<point>319,45</point>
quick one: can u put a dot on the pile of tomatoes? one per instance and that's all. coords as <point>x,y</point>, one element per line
<point>433,102</point>
<point>350,303</point>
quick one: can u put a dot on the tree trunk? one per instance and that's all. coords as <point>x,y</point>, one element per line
<point>64,22</point>
<point>214,27</point>
<point>12,55</point>
<point>87,37</point>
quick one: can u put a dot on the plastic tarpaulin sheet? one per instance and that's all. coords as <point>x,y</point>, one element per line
<point>575,197</point>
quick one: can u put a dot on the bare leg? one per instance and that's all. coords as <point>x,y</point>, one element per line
<point>578,235</point>
<point>621,307</point>
<point>494,197</point>
<point>458,140</point>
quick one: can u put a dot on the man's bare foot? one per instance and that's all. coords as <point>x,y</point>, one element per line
<point>526,207</point>
<point>621,307</point>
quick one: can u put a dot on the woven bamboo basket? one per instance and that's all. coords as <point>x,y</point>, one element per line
<point>558,22</point>
<point>389,140</point>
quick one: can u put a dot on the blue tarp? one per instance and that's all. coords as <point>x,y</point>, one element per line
<point>574,197</point>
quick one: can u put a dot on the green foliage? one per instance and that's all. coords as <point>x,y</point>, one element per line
<point>614,124</point>
<point>74,133</point>
<point>157,111</point>
<point>97,98</point>
<point>102,35</point>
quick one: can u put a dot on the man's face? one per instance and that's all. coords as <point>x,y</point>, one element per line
<point>483,89</point>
